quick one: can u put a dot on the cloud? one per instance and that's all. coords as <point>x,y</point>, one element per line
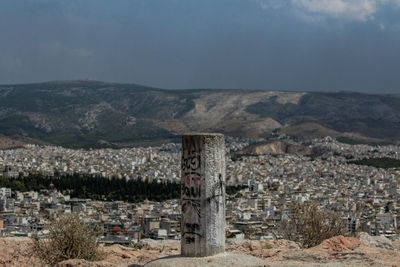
<point>361,10</point>
<point>353,9</point>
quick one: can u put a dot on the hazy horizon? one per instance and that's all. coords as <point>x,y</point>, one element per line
<point>285,45</point>
<point>196,88</point>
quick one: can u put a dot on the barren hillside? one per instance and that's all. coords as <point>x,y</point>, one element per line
<point>92,113</point>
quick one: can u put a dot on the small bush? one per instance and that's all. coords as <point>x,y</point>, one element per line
<point>68,238</point>
<point>137,245</point>
<point>308,225</point>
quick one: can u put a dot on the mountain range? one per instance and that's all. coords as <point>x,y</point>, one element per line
<point>88,113</point>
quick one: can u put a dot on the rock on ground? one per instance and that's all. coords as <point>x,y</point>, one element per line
<point>377,241</point>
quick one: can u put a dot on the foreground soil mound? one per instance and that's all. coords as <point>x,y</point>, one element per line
<point>336,251</point>
<point>16,252</point>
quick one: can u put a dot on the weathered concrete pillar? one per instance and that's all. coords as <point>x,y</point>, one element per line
<point>203,194</point>
<point>203,207</point>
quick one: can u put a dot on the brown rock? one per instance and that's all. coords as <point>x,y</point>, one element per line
<point>286,244</point>
<point>339,243</point>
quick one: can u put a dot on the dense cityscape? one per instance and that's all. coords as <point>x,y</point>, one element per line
<point>366,196</point>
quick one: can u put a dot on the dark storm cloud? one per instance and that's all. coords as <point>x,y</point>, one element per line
<point>277,45</point>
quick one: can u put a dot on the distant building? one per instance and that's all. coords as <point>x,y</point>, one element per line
<point>10,173</point>
<point>5,192</point>
<point>159,234</point>
<point>149,223</point>
<point>171,226</point>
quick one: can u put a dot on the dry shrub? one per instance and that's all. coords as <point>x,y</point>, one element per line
<point>137,246</point>
<point>308,225</point>
<point>68,238</point>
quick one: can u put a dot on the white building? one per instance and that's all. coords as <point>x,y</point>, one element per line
<point>5,192</point>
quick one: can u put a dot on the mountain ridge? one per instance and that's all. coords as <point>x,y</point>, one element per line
<point>81,113</point>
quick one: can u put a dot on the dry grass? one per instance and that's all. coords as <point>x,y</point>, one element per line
<point>68,238</point>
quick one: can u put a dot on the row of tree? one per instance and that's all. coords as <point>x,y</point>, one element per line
<point>100,188</point>
<point>384,163</point>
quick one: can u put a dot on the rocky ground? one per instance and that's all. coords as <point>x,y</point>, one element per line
<point>337,251</point>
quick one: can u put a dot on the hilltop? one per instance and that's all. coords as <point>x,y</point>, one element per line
<point>336,251</point>
<point>101,114</point>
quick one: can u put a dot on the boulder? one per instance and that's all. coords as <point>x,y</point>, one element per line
<point>377,241</point>
<point>339,244</point>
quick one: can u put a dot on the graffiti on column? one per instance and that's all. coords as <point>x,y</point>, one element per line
<point>191,192</point>
<point>217,192</point>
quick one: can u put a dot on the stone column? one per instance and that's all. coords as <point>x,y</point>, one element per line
<point>203,194</point>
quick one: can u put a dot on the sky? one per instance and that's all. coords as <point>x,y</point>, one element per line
<point>296,45</point>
